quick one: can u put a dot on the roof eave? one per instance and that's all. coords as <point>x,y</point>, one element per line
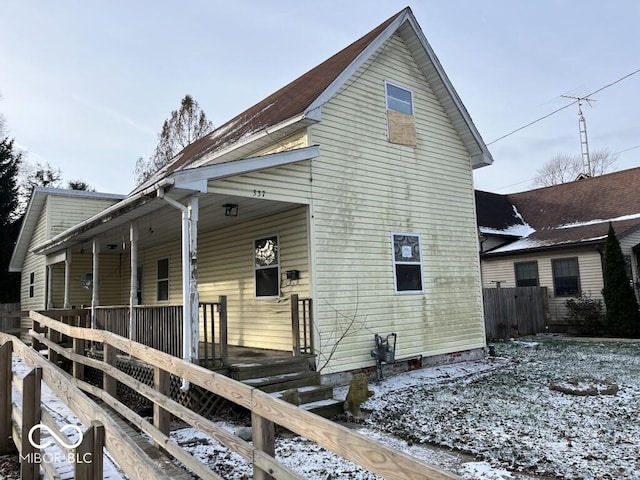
<point>542,248</point>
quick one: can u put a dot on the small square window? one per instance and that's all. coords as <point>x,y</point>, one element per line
<point>407,263</point>
<point>526,274</point>
<point>399,99</point>
<point>266,258</point>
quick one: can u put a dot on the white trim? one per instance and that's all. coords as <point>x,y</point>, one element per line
<point>394,263</point>
<point>240,167</point>
<point>256,268</point>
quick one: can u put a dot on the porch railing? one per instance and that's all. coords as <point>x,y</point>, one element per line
<point>160,327</point>
<point>302,325</point>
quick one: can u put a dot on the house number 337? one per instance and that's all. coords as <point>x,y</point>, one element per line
<point>259,193</point>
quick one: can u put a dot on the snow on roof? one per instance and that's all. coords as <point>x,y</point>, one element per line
<point>598,221</point>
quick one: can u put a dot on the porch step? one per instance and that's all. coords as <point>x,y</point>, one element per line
<point>251,370</point>
<point>285,381</point>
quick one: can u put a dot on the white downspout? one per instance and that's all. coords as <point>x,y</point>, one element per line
<point>194,296</point>
<point>67,279</point>
<point>189,283</point>
<point>133,291</point>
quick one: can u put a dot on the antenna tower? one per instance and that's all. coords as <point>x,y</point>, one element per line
<point>584,141</point>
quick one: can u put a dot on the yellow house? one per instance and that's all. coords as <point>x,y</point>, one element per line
<point>350,188</point>
<point>555,236</point>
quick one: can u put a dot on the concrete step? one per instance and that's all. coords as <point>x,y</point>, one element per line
<point>327,408</point>
<point>310,393</point>
<point>284,381</point>
<point>249,370</point>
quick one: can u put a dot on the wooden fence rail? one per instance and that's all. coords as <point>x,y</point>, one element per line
<point>18,421</point>
<point>514,312</point>
<point>266,412</point>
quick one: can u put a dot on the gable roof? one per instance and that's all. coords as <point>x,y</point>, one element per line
<point>302,100</point>
<point>34,209</point>
<point>576,213</point>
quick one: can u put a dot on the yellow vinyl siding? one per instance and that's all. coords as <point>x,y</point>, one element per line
<point>364,188</point>
<point>225,267</point>
<point>291,183</point>
<point>67,211</point>
<point>35,264</point>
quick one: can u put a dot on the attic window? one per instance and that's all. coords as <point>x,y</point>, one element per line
<point>400,120</point>
<point>399,99</point>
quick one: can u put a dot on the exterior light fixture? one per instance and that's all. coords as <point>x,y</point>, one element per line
<point>230,210</point>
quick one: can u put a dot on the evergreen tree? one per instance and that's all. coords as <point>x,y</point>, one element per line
<point>623,317</point>
<point>9,223</point>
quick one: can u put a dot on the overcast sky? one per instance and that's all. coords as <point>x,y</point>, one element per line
<point>86,85</point>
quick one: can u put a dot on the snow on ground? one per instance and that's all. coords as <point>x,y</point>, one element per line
<point>63,417</point>
<point>490,419</point>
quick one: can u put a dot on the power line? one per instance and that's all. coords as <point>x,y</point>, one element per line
<point>562,108</point>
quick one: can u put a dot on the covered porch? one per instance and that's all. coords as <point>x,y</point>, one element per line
<point>194,265</point>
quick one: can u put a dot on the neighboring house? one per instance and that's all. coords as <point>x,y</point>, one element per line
<point>352,185</point>
<point>50,212</point>
<point>554,236</point>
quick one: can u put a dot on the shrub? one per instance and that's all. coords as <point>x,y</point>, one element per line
<point>586,314</point>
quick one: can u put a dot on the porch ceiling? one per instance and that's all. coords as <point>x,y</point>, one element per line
<point>159,222</point>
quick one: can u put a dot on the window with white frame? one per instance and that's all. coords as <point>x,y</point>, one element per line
<point>407,262</point>
<point>163,280</point>
<point>266,256</point>
<point>399,99</point>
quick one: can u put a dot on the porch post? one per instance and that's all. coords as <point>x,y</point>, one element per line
<point>194,297</point>
<point>49,287</point>
<point>67,279</point>
<point>95,273</point>
<point>133,293</point>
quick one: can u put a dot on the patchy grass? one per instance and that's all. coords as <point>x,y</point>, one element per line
<point>511,418</point>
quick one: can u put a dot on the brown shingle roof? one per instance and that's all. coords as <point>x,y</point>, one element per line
<point>577,212</point>
<point>603,197</point>
<point>291,100</point>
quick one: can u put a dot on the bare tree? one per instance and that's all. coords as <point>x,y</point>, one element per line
<point>185,126</point>
<point>80,185</point>
<point>564,167</point>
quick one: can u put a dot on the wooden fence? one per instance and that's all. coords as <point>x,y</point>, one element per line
<point>8,323</point>
<point>514,312</point>
<point>266,411</point>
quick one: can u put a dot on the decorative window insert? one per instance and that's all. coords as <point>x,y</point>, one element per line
<point>32,284</point>
<point>400,121</point>
<point>163,280</point>
<point>266,261</point>
<point>526,274</point>
<point>407,263</point>
<point>566,279</point>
